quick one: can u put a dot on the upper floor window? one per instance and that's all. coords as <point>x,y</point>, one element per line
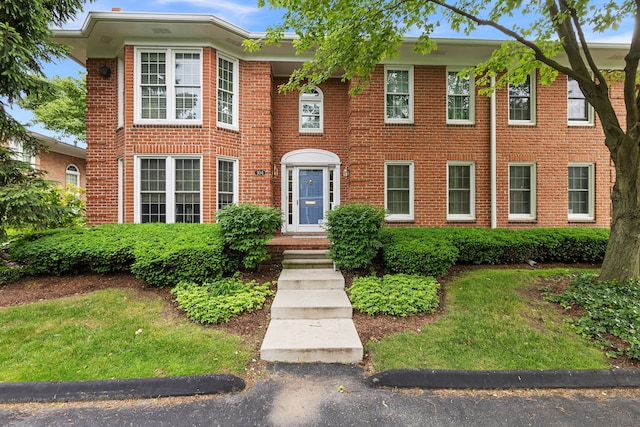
<point>460,98</point>
<point>168,189</point>
<point>311,111</point>
<point>398,94</point>
<point>460,190</point>
<point>398,194</point>
<point>579,111</point>
<point>522,102</point>
<point>522,191</point>
<point>17,152</point>
<point>73,175</point>
<point>227,92</point>
<point>581,191</point>
<point>170,88</point>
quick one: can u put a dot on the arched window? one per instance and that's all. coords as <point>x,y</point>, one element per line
<point>311,111</point>
<point>73,175</point>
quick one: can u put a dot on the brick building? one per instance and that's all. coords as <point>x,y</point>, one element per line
<point>181,121</point>
<point>63,163</point>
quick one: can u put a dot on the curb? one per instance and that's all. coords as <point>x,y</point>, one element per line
<point>446,379</point>
<point>119,389</point>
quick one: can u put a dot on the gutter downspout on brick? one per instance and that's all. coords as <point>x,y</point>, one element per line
<point>494,203</point>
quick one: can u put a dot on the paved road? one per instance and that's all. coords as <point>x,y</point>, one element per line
<point>337,396</point>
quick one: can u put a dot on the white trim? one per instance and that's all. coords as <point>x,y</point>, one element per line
<point>472,99</point>
<point>236,175</point>
<point>169,187</point>
<point>532,191</point>
<point>236,91</point>
<point>590,121</point>
<point>120,190</point>
<point>306,98</point>
<point>532,104</point>
<point>472,192</point>
<point>408,68</point>
<point>410,215</point>
<point>590,216</point>
<point>120,73</point>
<point>170,86</point>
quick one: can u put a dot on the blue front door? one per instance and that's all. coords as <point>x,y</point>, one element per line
<point>311,196</point>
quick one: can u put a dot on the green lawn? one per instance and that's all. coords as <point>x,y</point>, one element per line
<point>490,324</point>
<point>113,333</point>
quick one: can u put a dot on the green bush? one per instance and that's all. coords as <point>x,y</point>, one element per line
<point>427,256</point>
<point>354,233</point>
<point>397,295</point>
<point>10,274</point>
<point>160,254</point>
<point>611,308</point>
<point>218,301</point>
<point>246,229</point>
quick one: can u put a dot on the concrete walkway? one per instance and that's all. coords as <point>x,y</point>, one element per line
<point>311,315</point>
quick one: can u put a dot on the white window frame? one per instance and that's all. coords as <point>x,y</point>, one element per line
<point>472,192</point>
<point>236,176</point>
<point>120,76</point>
<point>589,121</point>
<point>75,173</point>
<point>18,153</point>
<point>472,99</point>
<point>590,215</point>
<point>170,85</point>
<point>532,202</point>
<point>170,181</point>
<point>410,215</point>
<point>307,98</point>
<point>408,68</point>
<point>236,92</point>
<point>532,103</point>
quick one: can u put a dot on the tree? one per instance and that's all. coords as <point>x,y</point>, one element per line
<point>351,37</point>
<point>63,109</point>
<point>25,45</point>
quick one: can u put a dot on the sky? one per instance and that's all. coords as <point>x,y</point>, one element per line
<point>243,13</point>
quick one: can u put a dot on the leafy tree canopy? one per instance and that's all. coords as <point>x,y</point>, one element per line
<point>62,109</point>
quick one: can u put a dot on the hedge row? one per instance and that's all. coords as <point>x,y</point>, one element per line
<point>432,251</point>
<point>160,254</point>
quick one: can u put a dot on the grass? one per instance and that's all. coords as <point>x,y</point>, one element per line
<point>490,324</point>
<point>113,333</point>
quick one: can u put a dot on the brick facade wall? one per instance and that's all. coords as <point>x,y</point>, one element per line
<point>355,131</point>
<point>55,164</point>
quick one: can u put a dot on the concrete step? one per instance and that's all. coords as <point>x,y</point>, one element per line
<point>305,254</point>
<point>307,263</point>
<point>311,304</point>
<point>316,340</point>
<point>307,279</point>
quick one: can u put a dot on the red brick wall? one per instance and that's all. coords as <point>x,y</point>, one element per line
<point>354,129</point>
<point>55,164</point>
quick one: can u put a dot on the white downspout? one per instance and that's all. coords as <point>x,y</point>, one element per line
<point>494,195</point>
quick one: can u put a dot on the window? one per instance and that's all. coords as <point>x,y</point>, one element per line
<point>311,111</point>
<point>73,175</point>
<point>227,93</point>
<point>581,191</point>
<point>522,192</point>
<point>170,86</point>
<point>399,190</point>
<point>579,111</point>
<point>398,91</point>
<point>227,182</point>
<point>460,191</point>
<point>522,102</point>
<point>460,98</point>
<point>172,182</point>
<point>18,153</point>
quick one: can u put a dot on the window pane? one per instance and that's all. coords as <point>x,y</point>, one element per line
<point>520,101</point>
<point>577,106</point>
<point>225,183</point>
<point>579,190</point>
<point>398,189</point>
<point>459,190</point>
<point>520,190</point>
<point>397,94</point>
<point>187,105</point>
<point>225,91</point>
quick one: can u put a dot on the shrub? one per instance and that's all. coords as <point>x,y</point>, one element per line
<point>354,233</point>
<point>218,301</point>
<point>10,274</point>
<point>397,295</point>
<point>610,308</point>
<point>426,256</point>
<point>246,229</point>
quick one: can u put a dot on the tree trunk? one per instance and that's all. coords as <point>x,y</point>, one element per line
<point>622,259</point>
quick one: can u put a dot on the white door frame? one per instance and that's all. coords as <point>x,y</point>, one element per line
<point>293,162</point>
